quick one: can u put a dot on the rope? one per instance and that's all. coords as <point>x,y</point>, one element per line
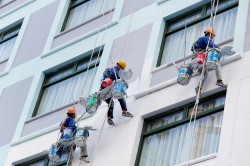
<point>84,82</point>
<point>185,43</point>
<point>106,27</point>
<point>128,28</point>
<point>99,137</point>
<point>199,93</point>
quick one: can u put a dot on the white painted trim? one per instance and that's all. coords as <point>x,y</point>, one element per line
<point>118,10</point>
<point>16,8</point>
<point>77,40</point>
<point>35,156</point>
<point>198,160</point>
<point>4,73</point>
<point>174,80</point>
<point>159,2</point>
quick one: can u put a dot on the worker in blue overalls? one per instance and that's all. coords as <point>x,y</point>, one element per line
<point>112,73</point>
<point>200,46</point>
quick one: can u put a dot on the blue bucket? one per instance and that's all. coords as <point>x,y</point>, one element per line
<point>81,137</point>
<point>120,89</point>
<point>184,75</point>
<point>55,153</point>
<point>67,133</point>
<point>213,57</point>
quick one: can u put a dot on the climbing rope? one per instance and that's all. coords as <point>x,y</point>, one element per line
<point>195,109</point>
<point>185,43</point>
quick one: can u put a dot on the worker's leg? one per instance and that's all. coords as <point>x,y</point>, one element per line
<point>84,152</point>
<point>219,81</point>
<point>110,111</point>
<point>123,104</point>
<point>205,77</point>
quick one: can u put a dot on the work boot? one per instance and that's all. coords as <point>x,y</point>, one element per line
<point>221,84</point>
<point>82,158</point>
<point>110,122</point>
<point>127,114</point>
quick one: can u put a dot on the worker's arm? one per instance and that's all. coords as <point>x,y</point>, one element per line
<point>211,44</point>
<point>71,123</point>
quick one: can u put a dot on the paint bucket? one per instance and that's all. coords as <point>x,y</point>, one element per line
<point>91,107</point>
<point>81,137</point>
<point>120,89</point>
<point>184,75</point>
<point>213,57</point>
<point>55,153</point>
<point>67,133</point>
<point>201,58</point>
<point>107,82</point>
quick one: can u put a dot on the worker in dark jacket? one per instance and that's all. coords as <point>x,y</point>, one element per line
<point>200,46</point>
<point>113,73</point>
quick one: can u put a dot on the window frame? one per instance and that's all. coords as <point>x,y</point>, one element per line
<point>2,41</point>
<point>203,17</point>
<point>71,6</point>
<point>73,73</point>
<point>46,161</point>
<point>184,120</point>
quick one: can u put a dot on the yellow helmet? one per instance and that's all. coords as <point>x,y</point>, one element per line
<point>210,30</point>
<point>122,64</point>
<point>71,110</point>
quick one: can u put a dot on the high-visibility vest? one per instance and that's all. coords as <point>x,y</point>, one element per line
<point>62,126</point>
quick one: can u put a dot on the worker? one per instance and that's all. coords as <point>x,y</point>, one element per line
<point>200,46</point>
<point>113,73</point>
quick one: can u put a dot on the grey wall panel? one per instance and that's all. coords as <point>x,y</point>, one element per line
<point>11,102</point>
<point>36,34</point>
<point>134,51</point>
<point>2,66</point>
<point>49,120</point>
<point>81,29</point>
<point>11,5</point>
<point>247,35</point>
<point>128,5</point>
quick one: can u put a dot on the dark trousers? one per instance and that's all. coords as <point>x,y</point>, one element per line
<point>122,102</point>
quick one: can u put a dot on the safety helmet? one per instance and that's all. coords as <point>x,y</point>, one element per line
<point>71,110</point>
<point>122,64</point>
<point>210,30</point>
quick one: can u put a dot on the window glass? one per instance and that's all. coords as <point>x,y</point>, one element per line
<point>6,48</point>
<point>165,148</point>
<point>60,74</point>
<point>175,43</point>
<point>37,163</point>
<point>222,3</point>
<point>60,94</point>
<point>11,33</point>
<point>164,121</point>
<point>86,11</point>
<point>84,64</point>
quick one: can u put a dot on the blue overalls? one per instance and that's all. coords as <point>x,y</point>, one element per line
<point>202,43</point>
<point>110,73</point>
<point>68,122</point>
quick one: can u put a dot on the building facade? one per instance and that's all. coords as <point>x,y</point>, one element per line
<point>53,52</point>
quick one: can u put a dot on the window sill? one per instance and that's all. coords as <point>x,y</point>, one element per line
<point>6,4</point>
<point>198,160</point>
<point>35,156</point>
<point>84,23</point>
<point>159,2</point>
<point>174,80</point>
<point>78,39</point>
<point>16,8</point>
<point>187,57</point>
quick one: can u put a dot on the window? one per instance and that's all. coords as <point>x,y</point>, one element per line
<point>44,161</point>
<point>59,86</point>
<point>163,135</point>
<point>7,41</point>
<point>197,21</point>
<point>83,10</point>
<point>2,2</point>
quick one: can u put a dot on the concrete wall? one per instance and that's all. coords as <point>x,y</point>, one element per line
<point>12,101</point>
<point>2,66</point>
<point>11,5</point>
<point>36,34</point>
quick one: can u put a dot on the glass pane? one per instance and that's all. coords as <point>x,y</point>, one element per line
<point>222,3</point>
<point>164,121</point>
<point>37,163</point>
<point>175,43</point>
<point>167,148</point>
<point>184,20</point>
<point>208,105</point>
<point>85,63</point>
<point>59,74</point>
<point>6,48</point>
<point>60,94</point>
<point>11,33</point>
<point>87,11</point>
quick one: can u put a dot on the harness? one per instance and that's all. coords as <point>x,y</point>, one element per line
<point>62,126</point>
